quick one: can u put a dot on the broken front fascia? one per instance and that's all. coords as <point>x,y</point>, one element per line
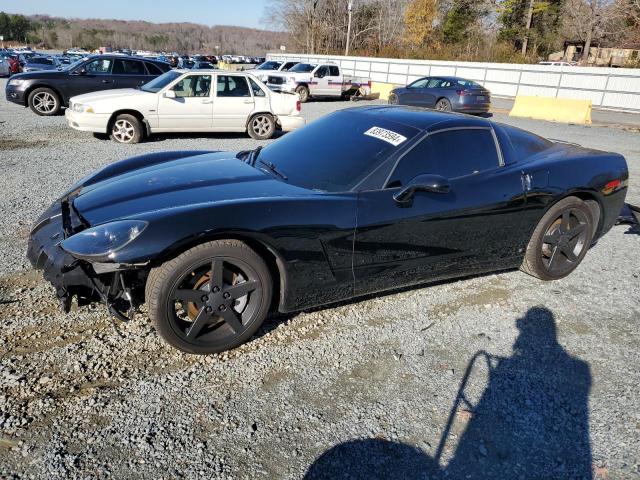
<point>88,281</point>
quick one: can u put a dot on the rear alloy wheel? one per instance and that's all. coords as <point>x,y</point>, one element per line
<point>303,93</point>
<point>211,298</point>
<point>261,126</point>
<point>44,102</point>
<point>443,105</point>
<point>126,129</point>
<point>393,99</point>
<point>560,241</point>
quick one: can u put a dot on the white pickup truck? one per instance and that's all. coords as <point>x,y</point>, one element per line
<point>323,80</point>
<point>262,71</point>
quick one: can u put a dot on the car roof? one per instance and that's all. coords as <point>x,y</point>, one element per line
<point>118,56</point>
<point>420,118</point>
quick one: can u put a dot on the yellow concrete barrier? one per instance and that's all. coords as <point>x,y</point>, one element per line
<point>383,89</point>
<point>567,110</point>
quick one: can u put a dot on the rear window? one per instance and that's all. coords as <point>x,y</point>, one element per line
<point>525,144</point>
<point>153,69</point>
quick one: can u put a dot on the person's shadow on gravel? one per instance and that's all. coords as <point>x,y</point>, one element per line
<point>531,421</point>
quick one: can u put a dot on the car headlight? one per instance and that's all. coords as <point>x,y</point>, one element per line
<point>82,108</point>
<point>103,240</point>
<point>16,82</point>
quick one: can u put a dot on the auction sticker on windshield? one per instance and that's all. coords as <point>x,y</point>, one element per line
<point>388,136</point>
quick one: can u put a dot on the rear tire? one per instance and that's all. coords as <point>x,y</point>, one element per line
<point>44,102</point>
<point>560,241</point>
<point>303,93</point>
<point>261,126</point>
<point>443,105</point>
<point>211,298</point>
<point>126,129</point>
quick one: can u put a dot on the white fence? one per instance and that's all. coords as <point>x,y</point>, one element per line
<point>612,88</point>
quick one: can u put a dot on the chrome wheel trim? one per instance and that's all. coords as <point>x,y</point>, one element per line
<point>261,125</point>
<point>442,106</point>
<point>123,131</point>
<point>44,102</point>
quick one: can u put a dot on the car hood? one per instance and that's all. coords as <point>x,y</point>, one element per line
<point>192,181</point>
<point>40,75</point>
<point>110,95</point>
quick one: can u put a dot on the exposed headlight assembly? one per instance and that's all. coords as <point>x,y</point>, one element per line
<point>103,241</point>
<point>16,82</point>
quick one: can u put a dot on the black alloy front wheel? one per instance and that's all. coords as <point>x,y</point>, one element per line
<point>211,298</point>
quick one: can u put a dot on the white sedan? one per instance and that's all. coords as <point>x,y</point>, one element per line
<point>187,101</point>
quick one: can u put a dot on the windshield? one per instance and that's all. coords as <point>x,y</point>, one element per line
<point>336,152</point>
<point>158,83</point>
<point>269,66</point>
<point>74,65</point>
<point>187,63</point>
<point>302,68</point>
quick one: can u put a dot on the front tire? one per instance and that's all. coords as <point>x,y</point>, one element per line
<point>211,298</point>
<point>262,126</point>
<point>303,93</point>
<point>126,129</point>
<point>44,102</point>
<point>560,241</point>
<point>393,99</point>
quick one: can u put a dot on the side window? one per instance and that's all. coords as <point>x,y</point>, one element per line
<point>153,69</point>
<point>334,71</point>
<point>99,67</point>
<point>193,86</point>
<point>288,65</point>
<point>128,67</point>
<point>452,154</point>
<point>257,91</point>
<point>323,71</point>
<point>232,86</point>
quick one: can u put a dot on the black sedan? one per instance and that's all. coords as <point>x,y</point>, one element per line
<point>447,94</point>
<point>46,92</point>
<point>360,201</point>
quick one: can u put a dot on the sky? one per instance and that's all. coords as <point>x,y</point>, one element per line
<point>244,13</point>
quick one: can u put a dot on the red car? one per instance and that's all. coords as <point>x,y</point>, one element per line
<point>14,65</point>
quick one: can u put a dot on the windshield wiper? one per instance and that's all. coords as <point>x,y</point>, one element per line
<point>273,169</point>
<point>249,156</point>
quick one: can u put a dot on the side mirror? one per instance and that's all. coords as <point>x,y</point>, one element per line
<point>319,75</point>
<point>169,94</point>
<point>81,71</point>
<point>421,183</point>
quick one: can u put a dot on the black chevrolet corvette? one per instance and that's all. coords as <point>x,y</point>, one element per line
<point>363,200</point>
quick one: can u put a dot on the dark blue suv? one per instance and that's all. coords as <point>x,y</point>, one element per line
<point>47,92</point>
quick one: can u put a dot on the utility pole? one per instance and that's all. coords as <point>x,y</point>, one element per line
<point>525,40</point>
<point>346,50</point>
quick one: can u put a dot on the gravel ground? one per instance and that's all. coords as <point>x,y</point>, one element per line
<point>359,390</point>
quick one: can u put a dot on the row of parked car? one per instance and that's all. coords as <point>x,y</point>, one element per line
<point>130,97</point>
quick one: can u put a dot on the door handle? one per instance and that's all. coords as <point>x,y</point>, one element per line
<point>107,81</point>
<point>207,101</point>
<point>248,101</point>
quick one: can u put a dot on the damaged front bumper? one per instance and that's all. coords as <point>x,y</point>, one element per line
<point>86,281</point>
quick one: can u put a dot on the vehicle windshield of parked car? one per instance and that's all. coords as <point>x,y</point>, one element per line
<point>469,84</point>
<point>269,66</point>
<point>302,68</point>
<point>421,83</point>
<point>158,83</point>
<point>336,152</point>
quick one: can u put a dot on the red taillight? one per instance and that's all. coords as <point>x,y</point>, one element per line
<point>298,105</point>
<point>369,83</point>
<point>462,93</point>
<point>611,186</point>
